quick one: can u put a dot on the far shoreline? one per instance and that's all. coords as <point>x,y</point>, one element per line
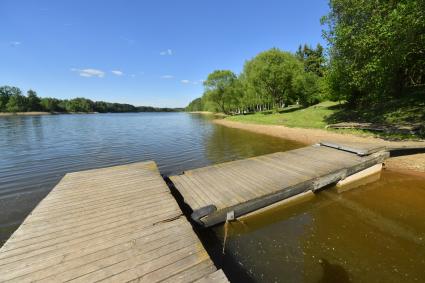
<point>40,113</point>
<point>414,164</point>
<point>36,113</point>
<point>31,113</point>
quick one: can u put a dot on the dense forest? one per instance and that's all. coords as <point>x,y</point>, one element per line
<point>12,100</point>
<point>376,53</point>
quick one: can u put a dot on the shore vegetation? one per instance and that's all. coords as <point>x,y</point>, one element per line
<point>12,100</point>
<point>373,71</point>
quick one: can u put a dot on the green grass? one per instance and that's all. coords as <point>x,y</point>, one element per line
<point>409,110</point>
<point>294,116</point>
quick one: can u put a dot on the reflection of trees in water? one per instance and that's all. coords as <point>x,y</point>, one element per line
<point>21,130</point>
<point>226,144</point>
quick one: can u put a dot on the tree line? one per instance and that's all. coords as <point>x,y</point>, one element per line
<point>376,53</point>
<point>271,79</point>
<point>12,100</point>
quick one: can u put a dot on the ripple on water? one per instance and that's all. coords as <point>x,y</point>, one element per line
<point>38,150</point>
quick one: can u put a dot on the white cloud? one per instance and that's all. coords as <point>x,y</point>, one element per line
<point>167,77</point>
<point>117,72</point>
<point>167,52</point>
<point>89,72</point>
<point>189,82</point>
<point>15,43</point>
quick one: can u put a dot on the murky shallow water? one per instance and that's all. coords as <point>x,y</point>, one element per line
<point>374,233</point>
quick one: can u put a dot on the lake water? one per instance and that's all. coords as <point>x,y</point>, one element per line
<point>374,233</point>
<point>36,151</point>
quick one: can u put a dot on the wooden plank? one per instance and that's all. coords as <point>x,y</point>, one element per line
<point>358,148</point>
<point>217,276</point>
<point>92,256</point>
<point>246,185</point>
<point>114,224</point>
<point>189,275</point>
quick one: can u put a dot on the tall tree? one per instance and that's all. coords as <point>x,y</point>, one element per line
<point>195,105</point>
<point>313,59</point>
<point>5,93</point>
<point>17,103</point>
<point>377,48</point>
<point>33,101</point>
<point>50,104</point>
<point>271,74</point>
<point>219,88</point>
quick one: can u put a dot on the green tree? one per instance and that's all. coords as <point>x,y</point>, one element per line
<point>79,105</point>
<point>219,89</point>
<point>195,105</point>
<point>313,59</point>
<point>17,103</point>
<point>50,104</point>
<point>307,88</point>
<point>101,106</point>
<point>377,48</point>
<point>271,75</point>
<point>5,93</point>
<point>33,101</point>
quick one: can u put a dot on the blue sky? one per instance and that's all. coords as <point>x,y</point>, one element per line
<point>143,52</point>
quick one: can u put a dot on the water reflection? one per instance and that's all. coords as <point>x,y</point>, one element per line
<point>36,151</point>
<point>375,233</point>
<point>226,144</point>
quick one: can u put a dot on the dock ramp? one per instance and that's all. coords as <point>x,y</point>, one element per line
<point>243,186</point>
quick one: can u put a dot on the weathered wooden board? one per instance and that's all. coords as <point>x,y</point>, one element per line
<point>355,147</point>
<point>115,224</point>
<point>246,185</point>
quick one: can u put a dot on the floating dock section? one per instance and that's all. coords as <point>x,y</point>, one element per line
<point>235,188</point>
<point>116,224</point>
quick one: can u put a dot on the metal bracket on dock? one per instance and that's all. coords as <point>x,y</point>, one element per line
<point>202,212</point>
<point>230,216</point>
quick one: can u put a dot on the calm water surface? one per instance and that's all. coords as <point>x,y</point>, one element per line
<point>375,233</point>
<point>36,151</point>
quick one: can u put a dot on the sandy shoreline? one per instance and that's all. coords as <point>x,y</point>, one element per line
<point>24,113</point>
<point>207,113</point>
<point>414,162</point>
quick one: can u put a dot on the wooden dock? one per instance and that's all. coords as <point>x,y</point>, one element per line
<point>243,186</point>
<point>116,224</point>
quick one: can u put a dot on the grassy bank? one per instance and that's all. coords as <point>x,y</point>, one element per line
<point>409,111</point>
<point>293,116</point>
